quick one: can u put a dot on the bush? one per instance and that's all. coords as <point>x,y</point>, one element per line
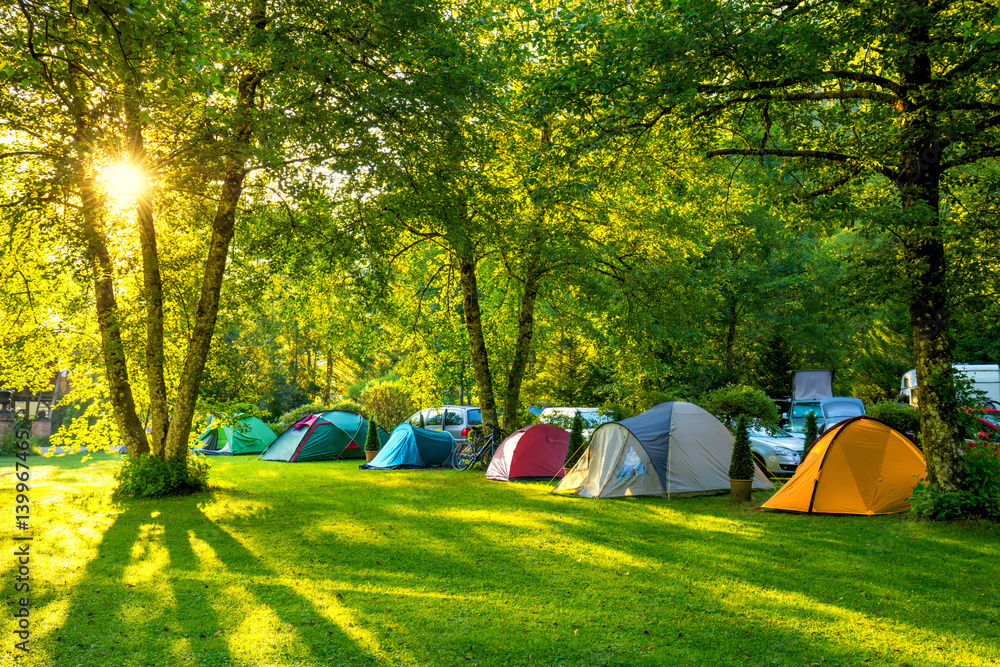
<point>293,417</point>
<point>388,403</point>
<point>576,443</point>
<point>900,416</point>
<point>978,495</point>
<point>149,477</point>
<point>728,403</point>
<point>349,406</point>
<point>741,465</point>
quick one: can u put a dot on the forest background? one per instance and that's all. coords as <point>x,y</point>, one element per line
<point>570,203</point>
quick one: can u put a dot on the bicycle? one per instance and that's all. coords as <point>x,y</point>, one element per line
<point>479,448</point>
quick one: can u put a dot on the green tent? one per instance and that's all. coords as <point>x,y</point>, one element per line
<point>247,436</point>
<point>323,436</point>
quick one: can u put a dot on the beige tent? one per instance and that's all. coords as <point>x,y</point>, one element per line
<point>673,449</point>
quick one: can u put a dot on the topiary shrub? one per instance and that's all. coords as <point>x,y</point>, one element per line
<point>811,433</point>
<point>576,443</point>
<point>371,440</point>
<point>728,403</point>
<point>741,464</point>
<point>900,416</point>
<point>145,476</point>
<point>978,495</point>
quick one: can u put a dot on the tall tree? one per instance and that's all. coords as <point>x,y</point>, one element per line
<point>208,99</point>
<point>889,92</point>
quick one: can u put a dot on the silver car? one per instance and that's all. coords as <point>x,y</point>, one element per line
<point>459,420</point>
<point>776,451</point>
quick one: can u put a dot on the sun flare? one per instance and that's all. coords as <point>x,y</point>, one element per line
<point>123,181</point>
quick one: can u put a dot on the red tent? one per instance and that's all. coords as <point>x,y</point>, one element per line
<point>537,451</point>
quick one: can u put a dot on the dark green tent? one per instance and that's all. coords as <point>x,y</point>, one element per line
<point>323,436</point>
<point>247,436</point>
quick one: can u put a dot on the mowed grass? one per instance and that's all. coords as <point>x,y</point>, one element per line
<point>325,564</point>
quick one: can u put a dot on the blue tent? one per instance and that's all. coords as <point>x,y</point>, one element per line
<point>413,447</point>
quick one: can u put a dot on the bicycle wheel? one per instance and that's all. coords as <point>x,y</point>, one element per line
<point>463,456</point>
<point>486,456</point>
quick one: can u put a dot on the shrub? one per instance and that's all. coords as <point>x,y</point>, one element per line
<point>900,416</point>
<point>978,495</point>
<point>576,443</point>
<point>371,440</point>
<point>388,403</point>
<point>741,464</point>
<point>293,417</point>
<point>349,406</point>
<point>811,433</point>
<point>146,476</point>
<point>728,403</point>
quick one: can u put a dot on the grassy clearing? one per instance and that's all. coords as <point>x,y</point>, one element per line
<point>322,563</point>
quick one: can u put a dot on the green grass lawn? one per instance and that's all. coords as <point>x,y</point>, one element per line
<point>322,563</point>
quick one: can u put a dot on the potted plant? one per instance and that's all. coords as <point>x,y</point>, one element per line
<point>741,467</point>
<point>371,441</point>
<point>575,444</point>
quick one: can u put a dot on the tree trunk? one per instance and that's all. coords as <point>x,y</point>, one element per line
<point>109,323</point>
<point>108,316</point>
<point>522,350</point>
<point>329,375</point>
<point>223,227</point>
<point>204,324</point>
<point>152,281</point>
<point>477,342</point>
<point>919,184</point>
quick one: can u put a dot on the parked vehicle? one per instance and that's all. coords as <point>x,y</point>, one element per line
<point>563,417</point>
<point>776,451</point>
<point>989,425</point>
<point>837,409</point>
<point>809,387</point>
<point>828,411</point>
<point>459,420</point>
<point>984,377</point>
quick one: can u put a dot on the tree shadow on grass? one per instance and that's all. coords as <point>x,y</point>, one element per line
<point>351,571</point>
<point>169,587</point>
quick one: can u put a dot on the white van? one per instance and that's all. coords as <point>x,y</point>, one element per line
<point>985,378</point>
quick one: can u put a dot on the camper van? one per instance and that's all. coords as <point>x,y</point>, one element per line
<point>985,378</point>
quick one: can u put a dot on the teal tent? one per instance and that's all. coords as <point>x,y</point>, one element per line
<point>413,447</point>
<point>247,436</point>
<point>323,436</point>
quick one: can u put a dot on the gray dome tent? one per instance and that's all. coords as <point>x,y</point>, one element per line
<point>673,449</point>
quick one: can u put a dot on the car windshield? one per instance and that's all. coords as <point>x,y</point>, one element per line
<point>800,410</point>
<point>594,418</point>
<point>763,432</point>
<point>842,410</point>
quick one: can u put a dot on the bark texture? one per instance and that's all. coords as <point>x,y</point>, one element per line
<point>477,341</point>
<point>919,184</point>
<point>522,349</point>
<point>223,228</point>
<point>151,278</point>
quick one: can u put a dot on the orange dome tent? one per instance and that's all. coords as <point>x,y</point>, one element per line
<point>860,466</point>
